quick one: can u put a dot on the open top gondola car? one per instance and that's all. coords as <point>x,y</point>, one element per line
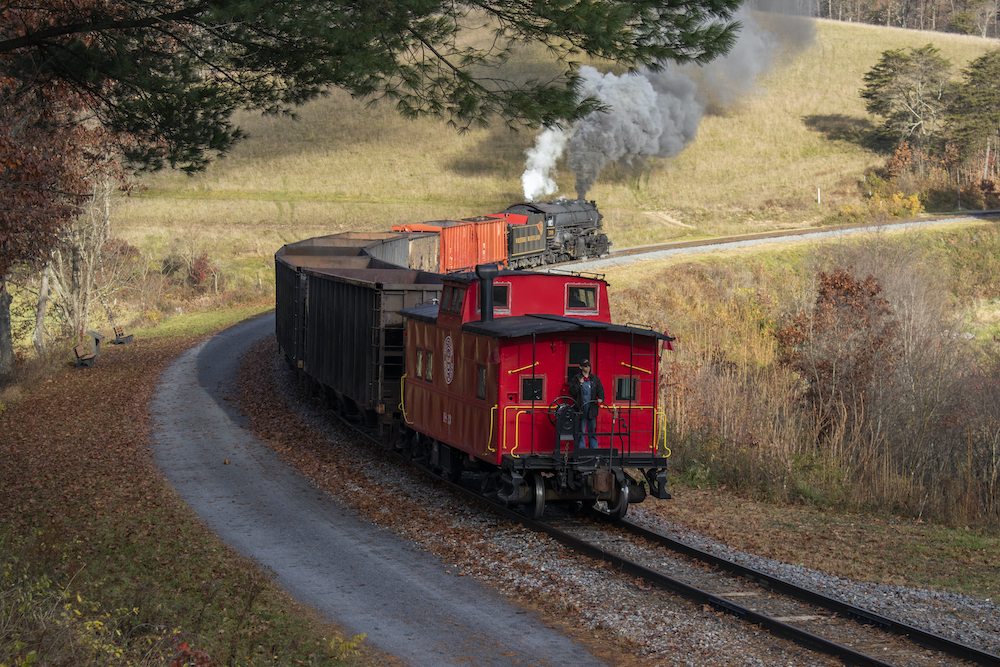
<point>337,319</point>
<point>487,389</point>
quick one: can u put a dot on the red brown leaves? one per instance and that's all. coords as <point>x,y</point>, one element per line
<point>845,344</point>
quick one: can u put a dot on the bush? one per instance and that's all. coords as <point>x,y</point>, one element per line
<point>893,409</point>
<point>43,621</point>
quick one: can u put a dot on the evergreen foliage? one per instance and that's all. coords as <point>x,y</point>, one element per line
<point>974,113</point>
<point>172,74</point>
<point>908,89</point>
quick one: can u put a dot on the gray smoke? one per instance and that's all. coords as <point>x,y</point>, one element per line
<point>656,114</point>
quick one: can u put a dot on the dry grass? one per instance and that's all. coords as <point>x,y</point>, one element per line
<point>926,555</point>
<point>342,165</point>
<point>736,414</point>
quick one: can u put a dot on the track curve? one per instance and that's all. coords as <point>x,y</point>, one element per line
<point>664,250</point>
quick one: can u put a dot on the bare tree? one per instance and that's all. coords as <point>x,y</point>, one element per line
<point>77,258</point>
<point>984,12</point>
<point>38,339</point>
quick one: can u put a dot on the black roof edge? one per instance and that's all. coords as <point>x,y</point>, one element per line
<point>469,277</point>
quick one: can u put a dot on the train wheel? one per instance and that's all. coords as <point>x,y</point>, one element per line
<point>537,506</point>
<point>456,463</point>
<point>618,509</point>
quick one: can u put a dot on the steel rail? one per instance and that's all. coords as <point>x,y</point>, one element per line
<point>921,637</point>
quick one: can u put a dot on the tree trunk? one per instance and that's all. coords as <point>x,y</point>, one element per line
<point>77,292</point>
<point>43,304</point>
<point>7,369</point>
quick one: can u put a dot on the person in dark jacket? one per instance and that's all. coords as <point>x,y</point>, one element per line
<point>588,393</point>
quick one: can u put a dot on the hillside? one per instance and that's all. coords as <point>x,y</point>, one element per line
<point>760,163</point>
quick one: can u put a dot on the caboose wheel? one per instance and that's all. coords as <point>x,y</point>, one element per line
<point>537,506</point>
<point>617,510</point>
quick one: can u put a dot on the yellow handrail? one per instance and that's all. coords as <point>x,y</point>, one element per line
<point>523,409</point>
<point>493,412</point>
<point>636,368</point>
<point>523,368</point>
<point>402,399</point>
<point>658,414</point>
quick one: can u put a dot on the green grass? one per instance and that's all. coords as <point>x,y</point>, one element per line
<point>202,323</point>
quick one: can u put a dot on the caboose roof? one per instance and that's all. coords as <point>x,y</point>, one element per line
<point>468,277</point>
<point>526,325</point>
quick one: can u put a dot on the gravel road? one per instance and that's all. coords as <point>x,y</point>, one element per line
<point>360,576</point>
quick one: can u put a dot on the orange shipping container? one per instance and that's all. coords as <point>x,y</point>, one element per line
<point>466,243</point>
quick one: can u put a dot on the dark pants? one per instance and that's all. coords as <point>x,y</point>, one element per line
<point>589,427</point>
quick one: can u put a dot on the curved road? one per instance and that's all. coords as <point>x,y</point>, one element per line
<point>356,574</point>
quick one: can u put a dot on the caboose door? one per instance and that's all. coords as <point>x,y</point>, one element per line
<point>577,351</point>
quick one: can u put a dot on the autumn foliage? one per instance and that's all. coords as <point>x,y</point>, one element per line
<point>843,346</point>
<point>100,562</point>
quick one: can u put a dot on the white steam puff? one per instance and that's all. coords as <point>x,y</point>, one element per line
<point>539,170</point>
<point>656,114</point>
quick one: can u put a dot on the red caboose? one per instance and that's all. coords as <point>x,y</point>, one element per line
<point>486,388</point>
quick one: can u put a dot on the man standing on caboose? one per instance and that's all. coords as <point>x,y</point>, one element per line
<point>588,393</point>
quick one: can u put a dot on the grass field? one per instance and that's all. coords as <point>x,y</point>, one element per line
<point>788,155</point>
<point>101,563</point>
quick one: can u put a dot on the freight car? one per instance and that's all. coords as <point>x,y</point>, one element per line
<point>464,387</point>
<point>337,319</point>
<point>525,236</point>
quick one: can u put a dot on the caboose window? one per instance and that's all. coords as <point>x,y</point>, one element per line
<point>531,389</point>
<point>625,389</point>
<point>420,364</point>
<point>481,382</point>
<point>457,297</point>
<point>501,296</point>
<point>429,374</point>
<point>501,299</point>
<point>446,298</point>
<point>581,298</point>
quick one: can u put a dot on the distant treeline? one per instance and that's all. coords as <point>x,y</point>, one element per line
<point>966,17</point>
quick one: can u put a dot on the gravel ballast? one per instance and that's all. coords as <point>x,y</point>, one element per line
<point>615,612</point>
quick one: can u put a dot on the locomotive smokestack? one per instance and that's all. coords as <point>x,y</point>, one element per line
<point>486,273</point>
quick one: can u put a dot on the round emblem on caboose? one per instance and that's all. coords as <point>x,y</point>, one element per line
<point>449,360</point>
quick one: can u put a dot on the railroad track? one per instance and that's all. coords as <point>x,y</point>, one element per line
<point>813,620</point>
<point>816,622</point>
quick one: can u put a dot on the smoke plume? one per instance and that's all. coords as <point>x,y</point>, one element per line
<point>656,114</point>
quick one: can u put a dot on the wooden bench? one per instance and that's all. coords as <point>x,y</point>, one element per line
<point>84,358</point>
<point>120,337</point>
